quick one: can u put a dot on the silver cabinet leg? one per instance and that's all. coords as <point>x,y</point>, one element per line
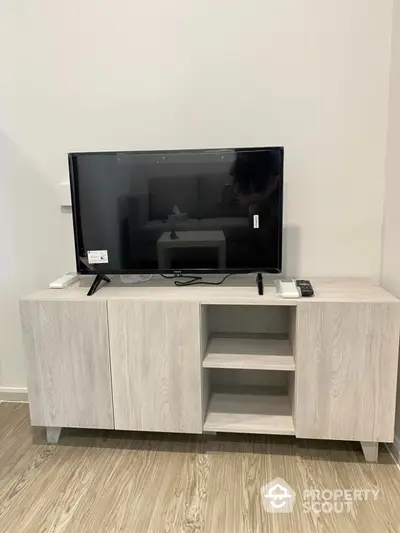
<point>370,450</point>
<point>53,435</point>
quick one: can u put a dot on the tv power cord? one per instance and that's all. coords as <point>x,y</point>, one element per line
<point>194,280</point>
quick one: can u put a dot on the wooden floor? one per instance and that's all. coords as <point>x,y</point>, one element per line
<point>125,482</point>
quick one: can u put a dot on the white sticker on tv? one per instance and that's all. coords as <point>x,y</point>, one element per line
<point>96,257</point>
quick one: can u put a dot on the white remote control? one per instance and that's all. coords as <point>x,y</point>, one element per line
<point>287,289</point>
<point>64,281</point>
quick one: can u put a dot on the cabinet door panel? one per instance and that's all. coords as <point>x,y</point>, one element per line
<point>346,368</point>
<point>67,351</point>
<point>156,368</point>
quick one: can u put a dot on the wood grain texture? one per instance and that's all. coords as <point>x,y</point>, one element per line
<point>118,482</point>
<point>222,379</point>
<point>293,346</point>
<point>251,352</point>
<point>248,319</point>
<point>67,351</point>
<point>205,374</point>
<point>156,365</point>
<point>249,413</point>
<point>241,290</point>
<point>346,368</point>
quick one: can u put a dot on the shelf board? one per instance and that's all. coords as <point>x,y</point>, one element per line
<point>250,352</point>
<point>249,413</point>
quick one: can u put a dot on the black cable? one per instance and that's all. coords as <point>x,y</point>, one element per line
<point>196,281</point>
<point>191,281</point>
<point>173,276</point>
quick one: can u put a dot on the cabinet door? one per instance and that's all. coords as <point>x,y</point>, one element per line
<point>346,368</point>
<point>155,364</point>
<point>67,351</point>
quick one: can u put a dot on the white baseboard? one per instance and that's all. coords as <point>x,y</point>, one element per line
<point>394,450</point>
<point>14,394</point>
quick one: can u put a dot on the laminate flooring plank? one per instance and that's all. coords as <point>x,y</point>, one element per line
<point>278,459</point>
<point>43,497</point>
<point>15,433</point>
<point>184,505</point>
<point>111,503</point>
<point>12,416</point>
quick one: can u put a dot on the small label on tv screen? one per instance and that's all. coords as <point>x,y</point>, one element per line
<point>256,223</point>
<point>97,256</point>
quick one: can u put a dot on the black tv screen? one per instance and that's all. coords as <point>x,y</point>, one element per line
<point>178,211</point>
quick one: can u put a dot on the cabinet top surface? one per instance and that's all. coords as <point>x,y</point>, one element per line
<point>236,290</point>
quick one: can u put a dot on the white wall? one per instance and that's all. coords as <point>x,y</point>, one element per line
<point>391,232</point>
<point>93,75</point>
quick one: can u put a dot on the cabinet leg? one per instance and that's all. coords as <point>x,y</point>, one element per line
<point>53,435</point>
<point>370,450</point>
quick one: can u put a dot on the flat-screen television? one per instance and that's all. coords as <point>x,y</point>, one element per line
<point>181,211</point>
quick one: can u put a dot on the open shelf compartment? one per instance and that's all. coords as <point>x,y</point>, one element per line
<point>237,412</point>
<point>249,351</point>
<point>248,369</point>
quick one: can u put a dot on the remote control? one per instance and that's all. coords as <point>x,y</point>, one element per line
<point>64,281</point>
<point>305,287</point>
<point>287,289</point>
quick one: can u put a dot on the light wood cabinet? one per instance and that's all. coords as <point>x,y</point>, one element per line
<point>152,357</point>
<point>156,367</point>
<point>346,370</point>
<point>69,381</point>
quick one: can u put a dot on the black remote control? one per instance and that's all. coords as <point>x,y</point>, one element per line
<point>305,287</point>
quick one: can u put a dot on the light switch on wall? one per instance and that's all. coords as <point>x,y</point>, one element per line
<point>65,194</point>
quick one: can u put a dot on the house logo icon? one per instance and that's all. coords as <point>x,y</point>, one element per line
<point>278,496</point>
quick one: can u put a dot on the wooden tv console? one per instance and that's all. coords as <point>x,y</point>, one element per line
<point>154,357</point>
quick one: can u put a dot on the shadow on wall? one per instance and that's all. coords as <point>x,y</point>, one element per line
<point>291,243</point>
<point>31,250</point>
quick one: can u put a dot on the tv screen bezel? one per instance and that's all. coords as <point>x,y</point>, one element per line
<point>86,269</point>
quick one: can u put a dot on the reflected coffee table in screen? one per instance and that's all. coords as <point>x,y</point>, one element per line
<point>190,239</point>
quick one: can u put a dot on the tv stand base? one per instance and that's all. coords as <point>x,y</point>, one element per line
<point>97,280</point>
<point>53,435</point>
<point>260,284</point>
<point>190,339</point>
<point>370,451</point>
